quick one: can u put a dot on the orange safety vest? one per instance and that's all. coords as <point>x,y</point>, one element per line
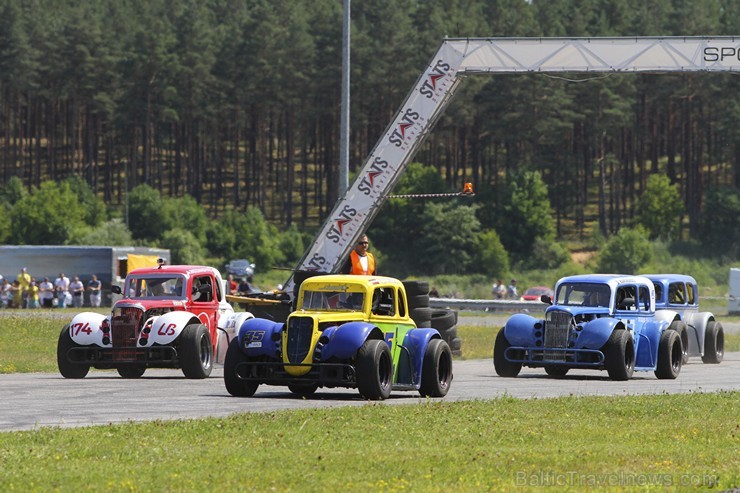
<point>357,266</point>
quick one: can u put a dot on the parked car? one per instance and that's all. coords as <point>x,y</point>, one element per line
<point>171,316</point>
<point>598,321</point>
<point>535,293</point>
<point>347,331</point>
<point>677,300</point>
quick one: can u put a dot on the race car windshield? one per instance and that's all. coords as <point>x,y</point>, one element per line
<point>332,300</point>
<point>160,287</point>
<point>583,294</point>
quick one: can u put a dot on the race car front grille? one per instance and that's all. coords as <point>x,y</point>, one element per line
<point>300,331</point>
<point>124,333</point>
<point>558,327</point>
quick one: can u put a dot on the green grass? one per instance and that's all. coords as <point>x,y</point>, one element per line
<point>686,441</point>
<point>28,340</point>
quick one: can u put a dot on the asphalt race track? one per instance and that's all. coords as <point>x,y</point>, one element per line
<point>34,400</point>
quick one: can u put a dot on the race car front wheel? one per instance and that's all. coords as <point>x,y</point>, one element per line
<point>235,385</point>
<point>196,351</point>
<point>66,367</point>
<point>374,370</point>
<point>436,374</point>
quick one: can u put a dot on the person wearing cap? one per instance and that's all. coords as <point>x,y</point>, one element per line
<point>361,262</point>
<point>32,295</point>
<point>512,294</point>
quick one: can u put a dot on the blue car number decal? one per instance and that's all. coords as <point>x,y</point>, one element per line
<point>254,338</point>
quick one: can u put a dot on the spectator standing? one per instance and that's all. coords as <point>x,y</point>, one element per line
<point>499,290</point>
<point>361,262</point>
<point>512,290</point>
<point>16,295</point>
<point>233,285</point>
<point>94,286</point>
<point>32,295</point>
<point>78,292</point>
<point>5,293</point>
<point>246,287</point>
<point>46,293</point>
<point>24,280</point>
<point>61,287</point>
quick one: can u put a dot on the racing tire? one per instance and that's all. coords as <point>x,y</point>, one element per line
<point>714,343</point>
<point>556,371</point>
<point>436,374</point>
<point>670,355</point>
<point>422,317</point>
<point>196,352</point>
<point>504,367</point>
<point>131,371</point>
<point>683,333</point>
<point>456,345</point>
<point>443,319</point>
<point>619,355</point>
<point>374,370</point>
<point>416,287</point>
<point>418,301</point>
<point>303,389</point>
<point>448,334</point>
<point>66,367</point>
<point>235,385</point>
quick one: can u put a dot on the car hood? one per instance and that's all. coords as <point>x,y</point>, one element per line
<point>578,310</point>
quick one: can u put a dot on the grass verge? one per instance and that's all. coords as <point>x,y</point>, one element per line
<point>657,442</point>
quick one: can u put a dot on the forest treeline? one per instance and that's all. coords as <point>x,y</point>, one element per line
<point>236,103</point>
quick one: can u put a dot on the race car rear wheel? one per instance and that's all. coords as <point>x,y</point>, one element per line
<point>504,367</point>
<point>670,355</point>
<point>131,371</point>
<point>374,370</point>
<point>556,371</point>
<point>303,389</point>
<point>196,351</point>
<point>619,355</point>
<point>66,367</point>
<point>714,343</point>
<point>680,327</point>
<point>436,374</point>
<point>234,385</point>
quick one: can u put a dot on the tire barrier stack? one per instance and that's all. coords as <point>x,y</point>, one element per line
<point>445,321</point>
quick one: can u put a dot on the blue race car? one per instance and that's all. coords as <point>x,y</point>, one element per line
<point>597,321</point>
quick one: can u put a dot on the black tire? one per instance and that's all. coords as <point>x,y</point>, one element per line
<point>448,334</point>
<point>422,317</point>
<point>556,370</point>
<point>504,367</point>
<point>670,355</point>
<point>67,368</point>
<point>416,287</point>
<point>714,343</point>
<point>374,370</point>
<point>234,385</point>
<point>455,345</point>
<point>683,333</point>
<point>196,351</point>
<point>418,301</point>
<point>619,355</point>
<point>436,374</point>
<point>131,371</point>
<point>303,389</point>
<point>443,319</point>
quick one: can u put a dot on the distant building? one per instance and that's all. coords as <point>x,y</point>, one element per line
<point>110,264</point>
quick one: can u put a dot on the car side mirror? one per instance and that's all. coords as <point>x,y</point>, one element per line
<point>546,299</point>
<point>115,289</point>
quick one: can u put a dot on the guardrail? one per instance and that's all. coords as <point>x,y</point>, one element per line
<point>506,306</point>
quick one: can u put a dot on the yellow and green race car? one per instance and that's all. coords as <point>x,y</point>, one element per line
<point>347,331</point>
